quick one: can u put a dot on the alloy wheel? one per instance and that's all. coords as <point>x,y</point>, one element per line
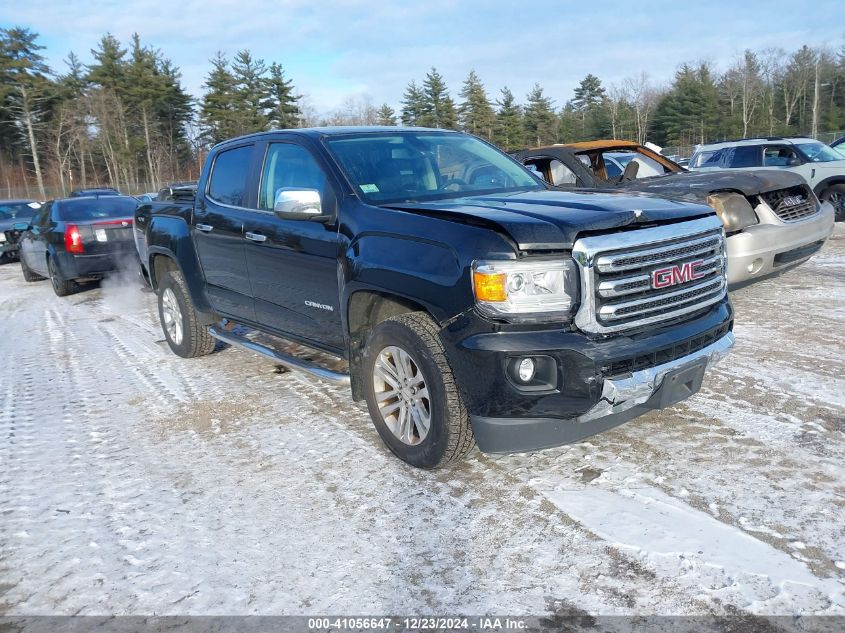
<point>171,316</point>
<point>402,395</point>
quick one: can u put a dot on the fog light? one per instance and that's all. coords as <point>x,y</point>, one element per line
<point>755,266</point>
<point>526,369</point>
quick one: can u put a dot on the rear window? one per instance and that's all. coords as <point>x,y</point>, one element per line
<point>707,158</point>
<point>23,210</point>
<point>82,209</point>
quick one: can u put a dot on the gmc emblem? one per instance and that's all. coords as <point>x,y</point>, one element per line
<point>792,201</point>
<point>674,275</point>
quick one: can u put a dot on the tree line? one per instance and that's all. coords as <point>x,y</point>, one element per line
<point>126,120</point>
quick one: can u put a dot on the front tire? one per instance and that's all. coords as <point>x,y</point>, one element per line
<point>835,194</point>
<point>412,395</point>
<point>185,335</point>
<point>61,286</point>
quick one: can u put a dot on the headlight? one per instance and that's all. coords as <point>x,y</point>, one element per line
<point>2,236</point>
<point>734,210</point>
<point>525,291</point>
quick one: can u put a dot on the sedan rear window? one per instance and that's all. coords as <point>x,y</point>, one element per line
<point>23,210</point>
<point>82,209</point>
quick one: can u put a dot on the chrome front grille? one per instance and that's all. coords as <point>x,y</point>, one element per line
<point>618,274</point>
<point>792,204</point>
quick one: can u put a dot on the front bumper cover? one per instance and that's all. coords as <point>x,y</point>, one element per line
<point>765,249</point>
<point>622,399</point>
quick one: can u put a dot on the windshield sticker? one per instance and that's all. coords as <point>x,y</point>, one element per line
<point>34,205</point>
<point>369,188</point>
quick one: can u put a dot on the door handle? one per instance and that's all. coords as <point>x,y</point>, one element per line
<point>255,237</point>
<point>205,228</point>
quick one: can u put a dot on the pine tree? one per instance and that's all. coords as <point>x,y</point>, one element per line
<point>475,113</point>
<point>109,68</point>
<point>587,108</point>
<point>25,89</point>
<point>412,105</point>
<point>509,133</point>
<point>438,106</point>
<point>252,95</point>
<point>217,114</point>
<point>284,112</point>
<point>588,94</point>
<point>541,123</point>
<point>386,115</point>
<point>689,112</point>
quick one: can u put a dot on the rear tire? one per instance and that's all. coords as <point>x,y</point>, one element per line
<point>61,286</point>
<point>185,335</point>
<point>421,416</point>
<point>835,194</point>
<point>28,274</point>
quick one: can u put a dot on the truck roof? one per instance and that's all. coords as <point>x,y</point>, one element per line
<point>340,130</point>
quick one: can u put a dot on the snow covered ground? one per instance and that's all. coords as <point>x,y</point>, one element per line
<point>136,482</point>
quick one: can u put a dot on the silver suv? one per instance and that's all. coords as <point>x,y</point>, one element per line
<point>821,166</point>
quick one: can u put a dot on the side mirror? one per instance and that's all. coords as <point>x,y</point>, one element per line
<point>793,162</point>
<point>297,202</point>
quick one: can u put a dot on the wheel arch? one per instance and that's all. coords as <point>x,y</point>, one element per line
<point>828,182</point>
<point>366,308</point>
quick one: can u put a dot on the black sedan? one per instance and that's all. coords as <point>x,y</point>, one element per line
<point>14,214</point>
<point>75,240</point>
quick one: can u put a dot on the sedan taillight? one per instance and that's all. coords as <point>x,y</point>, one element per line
<point>73,240</point>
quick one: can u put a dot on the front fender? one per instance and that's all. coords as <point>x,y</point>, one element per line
<point>423,272</point>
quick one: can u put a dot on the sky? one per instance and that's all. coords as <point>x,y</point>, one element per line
<point>350,49</point>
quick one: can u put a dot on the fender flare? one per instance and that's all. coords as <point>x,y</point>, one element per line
<point>827,182</point>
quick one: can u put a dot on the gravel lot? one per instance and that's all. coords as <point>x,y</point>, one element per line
<point>136,482</point>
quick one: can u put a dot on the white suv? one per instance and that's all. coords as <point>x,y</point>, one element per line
<point>822,167</point>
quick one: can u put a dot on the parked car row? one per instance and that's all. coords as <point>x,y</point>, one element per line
<point>772,219</point>
<point>475,302</point>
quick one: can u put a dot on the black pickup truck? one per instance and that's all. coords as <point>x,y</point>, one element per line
<point>475,303</point>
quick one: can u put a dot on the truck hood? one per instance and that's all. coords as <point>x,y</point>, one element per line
<point>697,185</point>
<point>552,220</point>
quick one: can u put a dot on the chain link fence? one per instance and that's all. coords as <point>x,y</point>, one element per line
<point>31,192</point>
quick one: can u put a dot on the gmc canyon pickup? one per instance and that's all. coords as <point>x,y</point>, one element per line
<point>474,303</point>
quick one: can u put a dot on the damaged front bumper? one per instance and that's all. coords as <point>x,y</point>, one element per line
<point>622,399</point>
<point>773,246</point>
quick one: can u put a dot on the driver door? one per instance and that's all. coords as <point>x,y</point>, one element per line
<point>292,261</point>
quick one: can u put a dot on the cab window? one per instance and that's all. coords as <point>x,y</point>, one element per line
<point>228,176</point>
<point>288,166</point>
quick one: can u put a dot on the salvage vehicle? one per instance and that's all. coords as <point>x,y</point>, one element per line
<point>76,240</point>
<point>821,166</point>
<point>14,216</point>
<point>473,302</point>
<point>773,220</point>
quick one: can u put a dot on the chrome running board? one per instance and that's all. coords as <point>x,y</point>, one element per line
<point>291,362</point>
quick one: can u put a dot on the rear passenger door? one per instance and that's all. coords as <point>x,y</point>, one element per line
<point>218,232</point>
<point>292,259</point>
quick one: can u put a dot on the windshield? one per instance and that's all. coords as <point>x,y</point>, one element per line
<point>82,209</point>
<point>411,166</point>
<point>22,210</point>
<point>819,152</point>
